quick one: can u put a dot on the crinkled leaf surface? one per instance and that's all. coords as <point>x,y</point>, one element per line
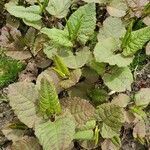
<point>11,40</point>
<point>139,131</point>
<point>104,52</point>
<point>86,132</point>
<point>142,97</point>
<point>119,79</point>
<point>13,134</point>
<point>88,125</point>
<point>38,44</point>
<point>88,144</point>
<point>80,90</point>
<point>30,36</point>
<point>138,112</point>
<point>108,145</point>
<point>8,32</point>
<point>81,23</point>
<point>136,41</point>
<point>112,118</point>
<point>112,27</point>
<point>48,102</point>
<point>56,135</point>
<point>30,13</point>
<point>81,109</point>
<point>129,116</point>
<point>26,143</point>
<point>51,76</point>
<point>97,1</point>
<point>60,37</point>
<point>23,97</point>
<point>73,79</point>
<point>108,132</point>
<point>117,8</point>
<point>78,60</point>
<point>121,100</point>
<point>18,55</point>
<point>58,8</point>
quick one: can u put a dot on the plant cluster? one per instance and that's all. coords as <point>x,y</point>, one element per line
<point>85,95</point>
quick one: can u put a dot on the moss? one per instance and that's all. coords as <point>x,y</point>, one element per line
<point>9,70</point>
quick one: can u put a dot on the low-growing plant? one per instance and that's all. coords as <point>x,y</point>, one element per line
<point>84,95</point>
<point>9,70</point>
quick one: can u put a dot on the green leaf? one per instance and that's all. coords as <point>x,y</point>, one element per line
<point>116,141</point>
<point>88,125</point>
<point>81,23</point>
<point>138,112</point>
<point>104,51</point>
<point>84,135</point>
<point>59,37</point>
<point>86,132</point>
<point>78,60</point>
<point>73,79</point>
<point>117,8</point>
<point>31,13</point>
<point>35,24</point>
<point>108,132</point>
<point>49,102</point>
<point>119,80</point>
<point>98,67</point>
<point>112,27</point>
<point>136,41</point>
<point>81,109</point>
<point>142,97</point>
<point>23,98</point>
<point>50,50</point>
<point>111,117</point>
<point>98,96</point>
<point>56,135</point>
<point>60,66</point>
<point>58,8</point>
<point>127,35</point>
